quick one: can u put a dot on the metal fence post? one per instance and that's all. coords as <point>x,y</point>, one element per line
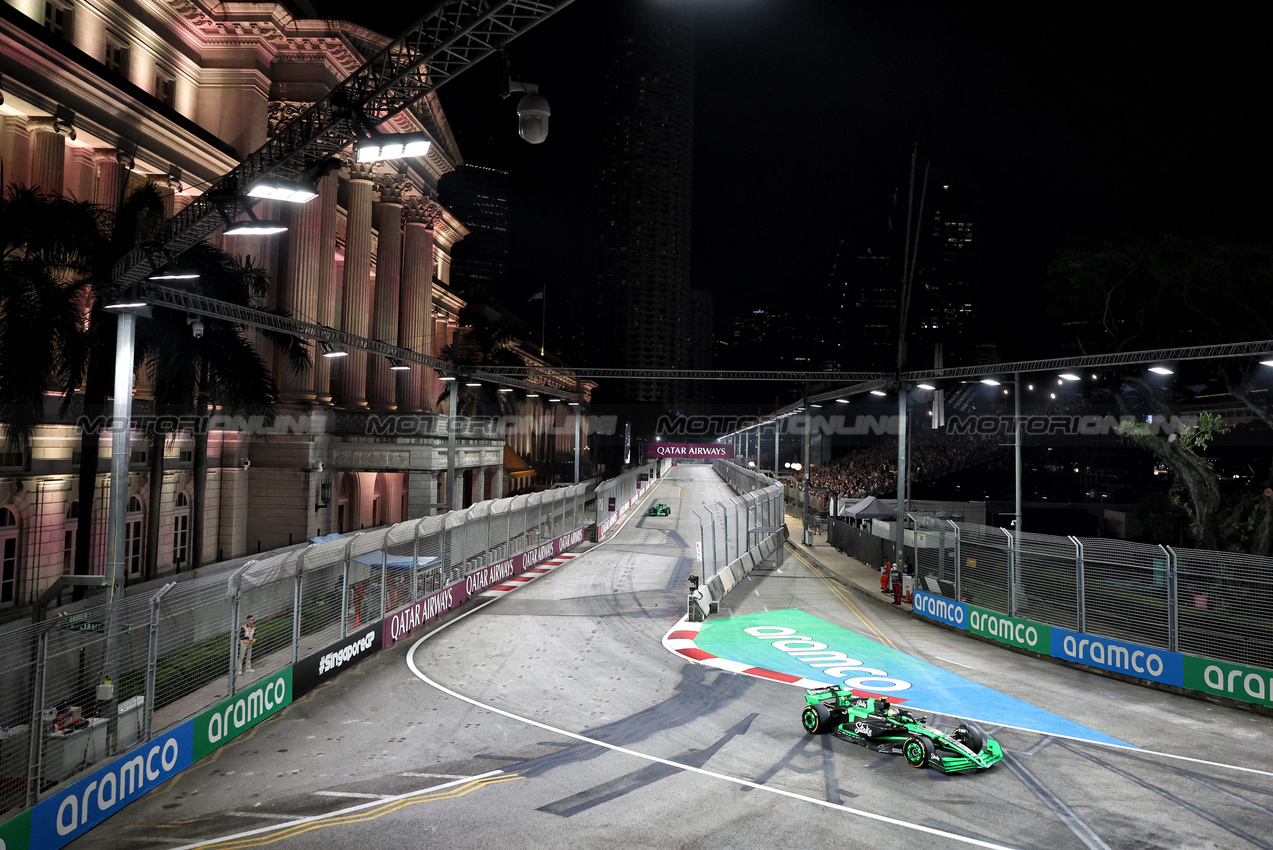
<point>1012,590</point>
<point>1173,600</point>
<point>297,596</point>
<point>959,564</point>
<point>1080,591</point>
<point>152,661</point>
<point>37,720</point>
<point>234,627</point>
<point>724,518</point>
<point>415,562</point>
<point>344,588</point>
<point>384,577</point>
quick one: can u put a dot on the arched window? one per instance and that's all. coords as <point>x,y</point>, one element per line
<point>181,531</point>
<point>8,557</point>
<point>133,538</point>
<point>68,538</point>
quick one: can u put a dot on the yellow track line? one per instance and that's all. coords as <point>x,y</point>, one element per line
<point>360,817</point>
<point>845,596</point>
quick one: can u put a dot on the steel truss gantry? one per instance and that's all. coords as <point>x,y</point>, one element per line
<point>455,35</point>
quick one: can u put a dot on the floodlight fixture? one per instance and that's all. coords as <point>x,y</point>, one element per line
<point>383,146</point>
<point>398,366</point>
<point>990,382</point>
<point>125,304</point>
<point>1161,370</point>
<point>505,389</point>
<point>472,383</point>
<point>252,227</point>
<point>554,400</point>
<point>878,392</point>
<point>277,189</point>
<point>928,387</point>
<point>532,395</point>
<point>446,377</point>
<point>841,401</point>
<point>1069,376</point>
<point>573,403</point>
<point>175,274</point>
<point>1268,362</point>
<point>328,351</point>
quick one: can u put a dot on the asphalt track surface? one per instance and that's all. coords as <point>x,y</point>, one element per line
<point>554,717</point>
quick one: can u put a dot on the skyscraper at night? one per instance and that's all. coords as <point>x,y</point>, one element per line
<point>652,318</point>
<point>480,197</point>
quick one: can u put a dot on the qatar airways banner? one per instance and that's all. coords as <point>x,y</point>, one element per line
<point>404,622</point>
<point>690,451</point>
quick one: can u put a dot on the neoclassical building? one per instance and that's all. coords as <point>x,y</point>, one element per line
<point>102,95</point>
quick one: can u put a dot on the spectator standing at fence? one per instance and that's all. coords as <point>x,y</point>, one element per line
<point>247,637</point>
<point>897,585</point>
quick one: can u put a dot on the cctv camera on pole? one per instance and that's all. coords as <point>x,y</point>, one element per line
<point>532,110</point>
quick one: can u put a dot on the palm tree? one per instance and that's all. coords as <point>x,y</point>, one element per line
<point>49,246</point>
<point>188,374</point>
<point>486,340</point>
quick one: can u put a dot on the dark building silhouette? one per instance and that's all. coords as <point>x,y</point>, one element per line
<point>651,316</point>
<point>480,198</point>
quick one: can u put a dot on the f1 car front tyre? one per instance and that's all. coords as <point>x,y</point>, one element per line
<point>816,719</point>
<point>918,751</point>
<point>974,739</point>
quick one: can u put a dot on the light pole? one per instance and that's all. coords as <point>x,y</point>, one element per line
<point>121,418</point>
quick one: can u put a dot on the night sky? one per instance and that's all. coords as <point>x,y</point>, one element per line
<point>1076,121</point>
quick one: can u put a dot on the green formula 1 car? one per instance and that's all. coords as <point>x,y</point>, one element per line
<point>873,722</point>
<point>660,509</point>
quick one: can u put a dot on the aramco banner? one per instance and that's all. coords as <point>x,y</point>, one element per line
<point>690,451</point>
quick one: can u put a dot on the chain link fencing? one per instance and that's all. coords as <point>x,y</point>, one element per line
<point>1205,603</point>
<point>730,528</point>
<point>178,651</point>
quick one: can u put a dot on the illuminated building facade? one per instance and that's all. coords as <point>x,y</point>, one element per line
<point>100,97</point>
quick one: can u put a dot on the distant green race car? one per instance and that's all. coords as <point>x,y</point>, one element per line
<point>660,509</point>
<point>873,722</point>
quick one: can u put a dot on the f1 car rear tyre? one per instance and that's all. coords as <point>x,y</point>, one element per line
<point>918,751</point>
<point>816,719</point>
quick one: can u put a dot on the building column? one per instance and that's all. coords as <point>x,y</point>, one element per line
<point>48,153</point>
<point>15,149</point>
<point>356,294</point>
<point>299,287</point>
<point>479,484</point>
<point>112,168</point>
<point>497,483</point>
<point>381,381</point>
<point>422,493</point>
<point>325,276</point>
<point>415,312</point>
